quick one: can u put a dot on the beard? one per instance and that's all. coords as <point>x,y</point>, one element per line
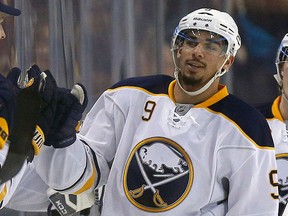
<point>189,81</point>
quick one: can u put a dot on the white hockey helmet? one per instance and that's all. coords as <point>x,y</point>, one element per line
<point>215,22</point>
<point>210,20</point>
<point>281,57</point>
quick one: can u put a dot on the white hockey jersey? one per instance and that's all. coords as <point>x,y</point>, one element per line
<point>155,156</point>
<point>60,170</point>
<point>280,137</point>
<point>31,193</point>
<point>8,188</point>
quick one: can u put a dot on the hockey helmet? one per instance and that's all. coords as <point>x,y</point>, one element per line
<point>281,57</point>
<point>9,10</point>
<point>216,23</point>
<point>211,20</point>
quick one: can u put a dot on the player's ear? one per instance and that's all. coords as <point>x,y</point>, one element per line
<point>229,62</point>
<point>179,52</point>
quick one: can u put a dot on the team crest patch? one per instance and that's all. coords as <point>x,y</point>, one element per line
<point>158,175</point>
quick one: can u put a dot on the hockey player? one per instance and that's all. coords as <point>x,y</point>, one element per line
<point>7,106</point>
<point>182,146</point>
<point>8,101</point>
<point>276,114</point>
<point>26,191</point>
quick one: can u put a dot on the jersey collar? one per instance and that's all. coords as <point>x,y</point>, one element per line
<point>275,109</point>
<point>223,92</point>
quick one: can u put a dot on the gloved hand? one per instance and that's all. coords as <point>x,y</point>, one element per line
<point>7,105</point>
<point>45,84</point>
<point>61,110</point>
<point>70,107</point>
<point>20,113</point>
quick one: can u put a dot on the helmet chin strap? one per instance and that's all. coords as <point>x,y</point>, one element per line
<point>280,83</point>
<point>219,73</point>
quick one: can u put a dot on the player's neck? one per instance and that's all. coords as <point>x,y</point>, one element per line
<point>283,106</point>
<point>181,97</point>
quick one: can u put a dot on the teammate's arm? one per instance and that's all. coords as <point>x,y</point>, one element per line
<point>64,165</point>
<point>7,107</point>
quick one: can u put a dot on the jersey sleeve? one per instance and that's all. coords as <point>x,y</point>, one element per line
<point>85,164</point>
<point>246,161</point>
<point>254,181</point>
<point>8,188</point>
<point>102,130</point>
<point>67,170</point>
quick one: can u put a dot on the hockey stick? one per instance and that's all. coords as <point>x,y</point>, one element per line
<point>27,111</point>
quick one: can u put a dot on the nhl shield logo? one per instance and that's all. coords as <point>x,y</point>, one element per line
<point>158,175</point>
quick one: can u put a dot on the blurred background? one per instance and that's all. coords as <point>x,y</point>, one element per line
<point>99,42</point>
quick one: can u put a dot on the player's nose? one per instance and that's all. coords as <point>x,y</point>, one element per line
<point>2,33</point>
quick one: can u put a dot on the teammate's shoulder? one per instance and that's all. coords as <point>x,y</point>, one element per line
<point>157,84</point>
<point>248,118</point>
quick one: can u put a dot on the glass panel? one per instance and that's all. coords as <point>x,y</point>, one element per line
<point>99,42</point>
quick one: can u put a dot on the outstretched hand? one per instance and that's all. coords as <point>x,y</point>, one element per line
<point>45,84</point>
<point>70,107</point>
<point>61,109</point>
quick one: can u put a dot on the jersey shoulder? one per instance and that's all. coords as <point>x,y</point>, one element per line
<point>250,120</point>
<point>265,109</point>
<point>156,84</point>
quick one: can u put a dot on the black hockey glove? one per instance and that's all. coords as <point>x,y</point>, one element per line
<point>45,84</point>
<point>7,104</point>
<point>70,107</point>
<point>19,112</point>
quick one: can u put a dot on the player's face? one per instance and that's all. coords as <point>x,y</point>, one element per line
<point>2,32</point>
<point>200,57</point>
<point>284,72</point>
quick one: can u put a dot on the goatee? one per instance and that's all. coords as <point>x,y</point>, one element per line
<point>188,81</point>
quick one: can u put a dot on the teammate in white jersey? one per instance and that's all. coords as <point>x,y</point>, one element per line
<point>8,93</point>
<point>7,106</point>
<point>26,191</point>
<point>276,114</point>
<point>175,146</point>
<point>61,109</point>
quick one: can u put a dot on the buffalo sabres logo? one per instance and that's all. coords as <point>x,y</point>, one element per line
<point>282,163</point>
<point>158,175</point>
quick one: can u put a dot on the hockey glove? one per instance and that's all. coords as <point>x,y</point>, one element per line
<point>20,109</point>
<point>7,103</point>
<point>70,107</point>
<point>45,84</point>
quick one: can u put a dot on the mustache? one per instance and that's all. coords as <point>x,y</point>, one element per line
<point>195,60</point>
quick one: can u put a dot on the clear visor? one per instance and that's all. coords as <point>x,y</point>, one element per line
<point>210,43</point>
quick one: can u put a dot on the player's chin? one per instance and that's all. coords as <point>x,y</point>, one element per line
<point>191,79</point>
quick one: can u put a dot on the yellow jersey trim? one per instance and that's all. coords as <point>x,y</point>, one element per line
<point>88,184</point>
